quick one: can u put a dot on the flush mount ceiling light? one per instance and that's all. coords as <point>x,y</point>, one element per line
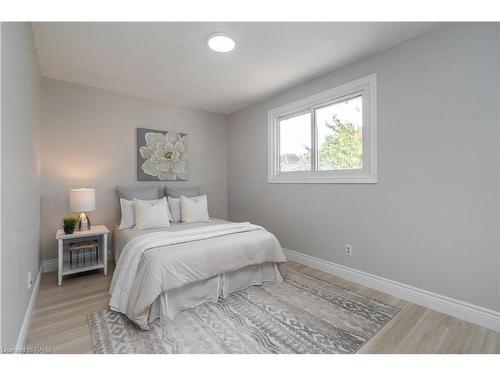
<point>221,42</point>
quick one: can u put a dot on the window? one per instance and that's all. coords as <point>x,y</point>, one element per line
<point>295,143</point>
<point>329,137</point>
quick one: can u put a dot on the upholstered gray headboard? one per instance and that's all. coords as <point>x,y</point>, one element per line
<point>156,192</point>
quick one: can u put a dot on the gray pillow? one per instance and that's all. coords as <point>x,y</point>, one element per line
<point>187,192</point>
<point>174,205</point>
<point>145,193</point>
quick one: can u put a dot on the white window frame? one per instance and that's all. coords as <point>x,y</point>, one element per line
<point>367,88</point>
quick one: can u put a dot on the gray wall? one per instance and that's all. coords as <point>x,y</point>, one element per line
<point>88,139</point>
<point>20,175</point>
<point>432,220</point>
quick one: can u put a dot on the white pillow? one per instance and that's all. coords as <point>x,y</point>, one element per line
<point>151,214</point>
<point>128,214</point>
<point>174,204</point>
<point>194,210</point>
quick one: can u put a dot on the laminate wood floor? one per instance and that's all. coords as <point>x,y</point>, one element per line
<point>59,320</point>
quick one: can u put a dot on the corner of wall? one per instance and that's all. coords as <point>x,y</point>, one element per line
<point>21,91</point>
<point>1,25</point>
<point>498,151</point>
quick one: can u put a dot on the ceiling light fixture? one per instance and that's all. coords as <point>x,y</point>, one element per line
<point>221,42</point>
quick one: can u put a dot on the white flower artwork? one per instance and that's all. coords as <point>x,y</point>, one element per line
<point>161,155</point>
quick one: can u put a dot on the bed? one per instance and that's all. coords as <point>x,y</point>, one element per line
<point>160,272</point>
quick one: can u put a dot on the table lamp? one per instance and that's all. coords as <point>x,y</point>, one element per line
<point>82,200</point>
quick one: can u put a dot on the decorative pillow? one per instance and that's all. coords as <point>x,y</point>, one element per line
<point>174,204</point>
<point>187,192</point>
<point>145,194</point>
<point>151,214</point>
<point>194,210</point>
<point>128,213</point>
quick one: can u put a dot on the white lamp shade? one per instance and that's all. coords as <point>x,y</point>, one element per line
<point>82,200</point>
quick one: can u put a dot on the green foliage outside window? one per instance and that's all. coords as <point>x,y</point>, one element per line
<point>341,149</point>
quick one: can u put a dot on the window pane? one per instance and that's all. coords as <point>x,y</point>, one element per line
<point>295,143</point>
<point>340,137</point>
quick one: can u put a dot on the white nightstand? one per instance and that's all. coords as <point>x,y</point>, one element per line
<point>95,239</point>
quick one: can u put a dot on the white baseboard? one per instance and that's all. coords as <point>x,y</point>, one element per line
<point>471,313</point>
<point>49,265</point>
<point>25,328</point>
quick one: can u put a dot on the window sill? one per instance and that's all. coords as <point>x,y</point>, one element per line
<point>360,179</point>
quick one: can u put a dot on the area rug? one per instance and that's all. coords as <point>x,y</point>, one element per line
<point>301,315</point>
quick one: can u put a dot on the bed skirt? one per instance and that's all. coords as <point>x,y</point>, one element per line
<point>194,294</point>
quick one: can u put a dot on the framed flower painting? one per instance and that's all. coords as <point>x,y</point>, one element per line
<point>161,155</point>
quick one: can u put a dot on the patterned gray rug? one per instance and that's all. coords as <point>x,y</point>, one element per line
<point>301,315</point>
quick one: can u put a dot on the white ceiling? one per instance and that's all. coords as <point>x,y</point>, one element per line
<point>171,61</point>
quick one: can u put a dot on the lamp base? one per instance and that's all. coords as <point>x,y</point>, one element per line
<point>83,222</point>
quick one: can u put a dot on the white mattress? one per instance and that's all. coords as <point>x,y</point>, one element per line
<point>191,295</point>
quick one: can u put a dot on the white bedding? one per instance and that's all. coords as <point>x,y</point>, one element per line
<point>184,254</point>
<point>122,236</point>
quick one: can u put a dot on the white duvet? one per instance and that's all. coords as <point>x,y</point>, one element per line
<point>153,263</point>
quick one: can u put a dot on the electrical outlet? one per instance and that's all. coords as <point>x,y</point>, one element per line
<point>30,280</point>
<point>348,250</point>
